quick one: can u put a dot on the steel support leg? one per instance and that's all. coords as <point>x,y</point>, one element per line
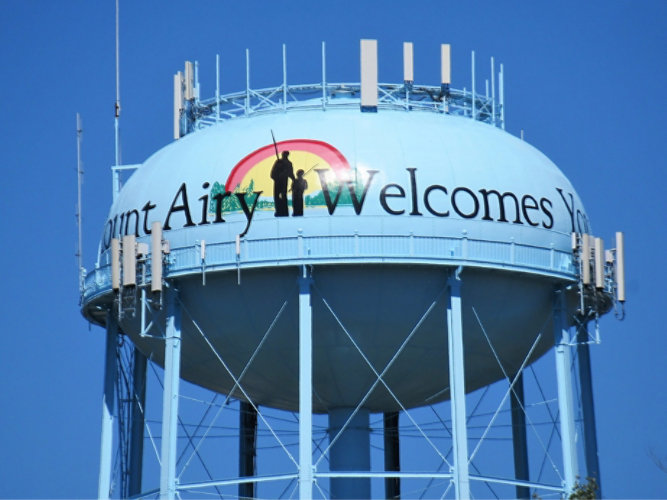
<point>247,448</point>
<point>172,369</point>
<point>392,462</point>
<point>108,409</point>
<point>457,389</point>
<point>350,453</point>
<point>138,422</point>
<point>519,438</point>
<point>305,388</point>
<point>588,408</point>
<point>564,380</point>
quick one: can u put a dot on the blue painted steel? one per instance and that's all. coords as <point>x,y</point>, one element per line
<point>172,372</point>
<point>588,408</point>
<point>351,452</point>
<point>468,155</point>
<point>305,97</point>
<point>457,389</point>
<point>565,398</point>
<point>138,406</point>
<point>392,456</point>
<point>247,449</point>
<point>108,410</point>
<point>361,249</point>
<point>305,388</point>
<point>519,440</point>
<point>434,191</point>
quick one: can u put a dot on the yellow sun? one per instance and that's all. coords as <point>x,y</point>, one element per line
<point>301,160</point>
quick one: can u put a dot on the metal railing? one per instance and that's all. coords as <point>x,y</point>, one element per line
<point>201,114</point>
<point>352,249</point>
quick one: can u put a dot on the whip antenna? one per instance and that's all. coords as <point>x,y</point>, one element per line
<point>115,173</point>
<point>79,174</point>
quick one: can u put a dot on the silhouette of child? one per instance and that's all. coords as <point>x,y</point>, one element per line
<point>299,185</point>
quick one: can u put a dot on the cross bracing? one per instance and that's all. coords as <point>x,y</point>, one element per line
<point>426,433</point>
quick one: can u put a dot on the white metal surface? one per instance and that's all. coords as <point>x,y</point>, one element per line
<point>172,366</point>
<point>586,259</point>
<point>408,63</point>
<point>178,103</point>
<point>445,64</point>
<point>115,264</point>
<point>305,388</point>
<point>129,260</point>
<point>189,81</point>
<point>599,263</point>
<point>369,74</point>
<point>156,257</point>
<point>457,389</point>
<point>620,267</point>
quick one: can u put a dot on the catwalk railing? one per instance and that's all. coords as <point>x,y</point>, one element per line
<point>352,249</point>
<point>199,114</point>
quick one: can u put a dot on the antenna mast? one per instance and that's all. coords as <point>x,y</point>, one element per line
<point>79,174</point>
<point>115,171</point>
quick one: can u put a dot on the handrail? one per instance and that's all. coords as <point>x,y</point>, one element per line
<point>354,249</point>
<point>393,96</point>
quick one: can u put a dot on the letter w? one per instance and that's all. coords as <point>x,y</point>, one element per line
<point>358,203</point>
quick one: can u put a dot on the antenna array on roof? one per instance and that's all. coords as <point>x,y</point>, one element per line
<point>192,113</point>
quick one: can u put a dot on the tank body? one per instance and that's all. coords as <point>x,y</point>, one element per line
<point>394,204</point>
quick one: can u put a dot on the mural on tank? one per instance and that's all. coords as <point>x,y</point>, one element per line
<point>290,176</point>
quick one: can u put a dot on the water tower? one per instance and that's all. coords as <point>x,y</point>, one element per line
<point>346,249</point>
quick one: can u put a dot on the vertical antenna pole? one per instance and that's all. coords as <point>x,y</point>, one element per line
<point>108,409</point>
<point>472,63</point>
<point>284,76</point>
<point>172,370</point>
<point>79,175</point>
<point>305,388</point>
<point>115,173</point>
<point>247,81</point>
<point>324,76</point>
<point>565,400</point>
<point>217,87</point>
<point>501,90</point>
<point>493,93</point>
<point>457,389</point>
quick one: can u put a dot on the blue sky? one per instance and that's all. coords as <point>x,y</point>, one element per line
<point>584,81</point>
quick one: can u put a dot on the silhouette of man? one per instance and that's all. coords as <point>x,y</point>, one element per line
<point>298,187</point>
<point>280,173</point>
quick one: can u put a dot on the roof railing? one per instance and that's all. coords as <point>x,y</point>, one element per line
<point>391,96</point>
<point>192,113</point>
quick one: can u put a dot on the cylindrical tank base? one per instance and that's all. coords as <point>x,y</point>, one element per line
<point>350,453</point>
